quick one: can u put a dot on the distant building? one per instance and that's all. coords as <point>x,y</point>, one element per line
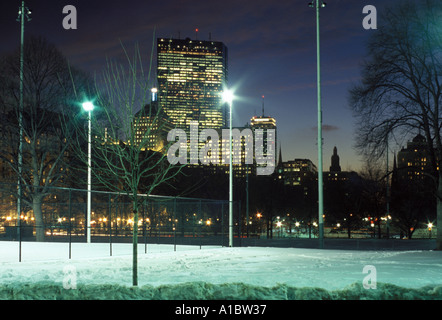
<point>269,143</point>
<point>151,127</point>
<point>335,166</point>
<point>244,143</point>
<point>242,140</point>
<point>296,172</point>
<point>413,162</point>
<point>335,173</point>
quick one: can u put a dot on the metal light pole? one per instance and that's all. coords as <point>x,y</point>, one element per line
<point>388,192</point>
<point>317,4</point>
<point>88,106</point>
<point>23,13</point>
<point>228,97</point>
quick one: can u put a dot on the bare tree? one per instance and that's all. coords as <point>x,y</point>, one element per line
<point>373,195</point>
<point>125,124</point>
<point>401,92</point>
<point>46,93</point>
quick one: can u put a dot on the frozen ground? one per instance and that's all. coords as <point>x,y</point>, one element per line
<point>46,272</point>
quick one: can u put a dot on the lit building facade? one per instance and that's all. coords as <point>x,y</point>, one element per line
<point>269,143</point>
<point>151,127</point>
<point>414,162</point>
<point>192,75</point>
<point>242,155</point>
<point>297,172</point>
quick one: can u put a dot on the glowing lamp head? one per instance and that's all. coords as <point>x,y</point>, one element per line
<point>228,96</point>
<point>88,106</point>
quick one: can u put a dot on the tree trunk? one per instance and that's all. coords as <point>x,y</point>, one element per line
<point>38,215</point>
<point>135,246</point>
<point>379,228</point>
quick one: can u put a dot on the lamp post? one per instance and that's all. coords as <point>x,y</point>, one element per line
<point>23,12</point>
<point>228,97</point>
<point>88,107</point>
<point>317,4</point>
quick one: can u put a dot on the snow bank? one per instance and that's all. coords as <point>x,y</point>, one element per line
<point>208,291</point>
<point>214,273</point>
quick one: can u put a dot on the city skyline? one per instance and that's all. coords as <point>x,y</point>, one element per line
<point>272,52</point>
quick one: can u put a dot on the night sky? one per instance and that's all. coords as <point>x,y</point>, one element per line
<point>272,52</point>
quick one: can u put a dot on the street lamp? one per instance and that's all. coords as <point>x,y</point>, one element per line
<point>317,4</point>
<point>430,226</point>
<point>88,107</point>
<point>228,97</point>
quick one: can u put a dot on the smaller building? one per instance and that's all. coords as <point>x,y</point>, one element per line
<point>268,140</point>
<point>335,173</point>
<point>151,126</point>
<point>335,166</point>
<point>413,162</point>
<point>296,172</point>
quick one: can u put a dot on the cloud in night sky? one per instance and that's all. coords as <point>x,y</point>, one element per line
<point>326,128</point>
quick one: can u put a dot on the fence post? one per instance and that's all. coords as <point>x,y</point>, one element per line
<point>110,224</point>
<point>201,225</point>
<point>70,223</point>
<point>144,224</point>
<point>239,224</point>
<point>19,237</point>
<point>85,224</point>
<point>159,226</point>
<point>222,224</point>
<point>173,224</point>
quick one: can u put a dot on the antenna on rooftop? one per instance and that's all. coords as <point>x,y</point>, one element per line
<point>263,105</point>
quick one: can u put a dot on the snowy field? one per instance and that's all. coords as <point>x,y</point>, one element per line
<point>46,272</point>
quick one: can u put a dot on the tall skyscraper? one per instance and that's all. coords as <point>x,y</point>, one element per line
<point>191,77</point>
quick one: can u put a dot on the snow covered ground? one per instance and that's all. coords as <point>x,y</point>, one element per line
<point>46,272</point>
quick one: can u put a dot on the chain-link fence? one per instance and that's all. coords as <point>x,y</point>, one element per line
<point>62,215</point>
